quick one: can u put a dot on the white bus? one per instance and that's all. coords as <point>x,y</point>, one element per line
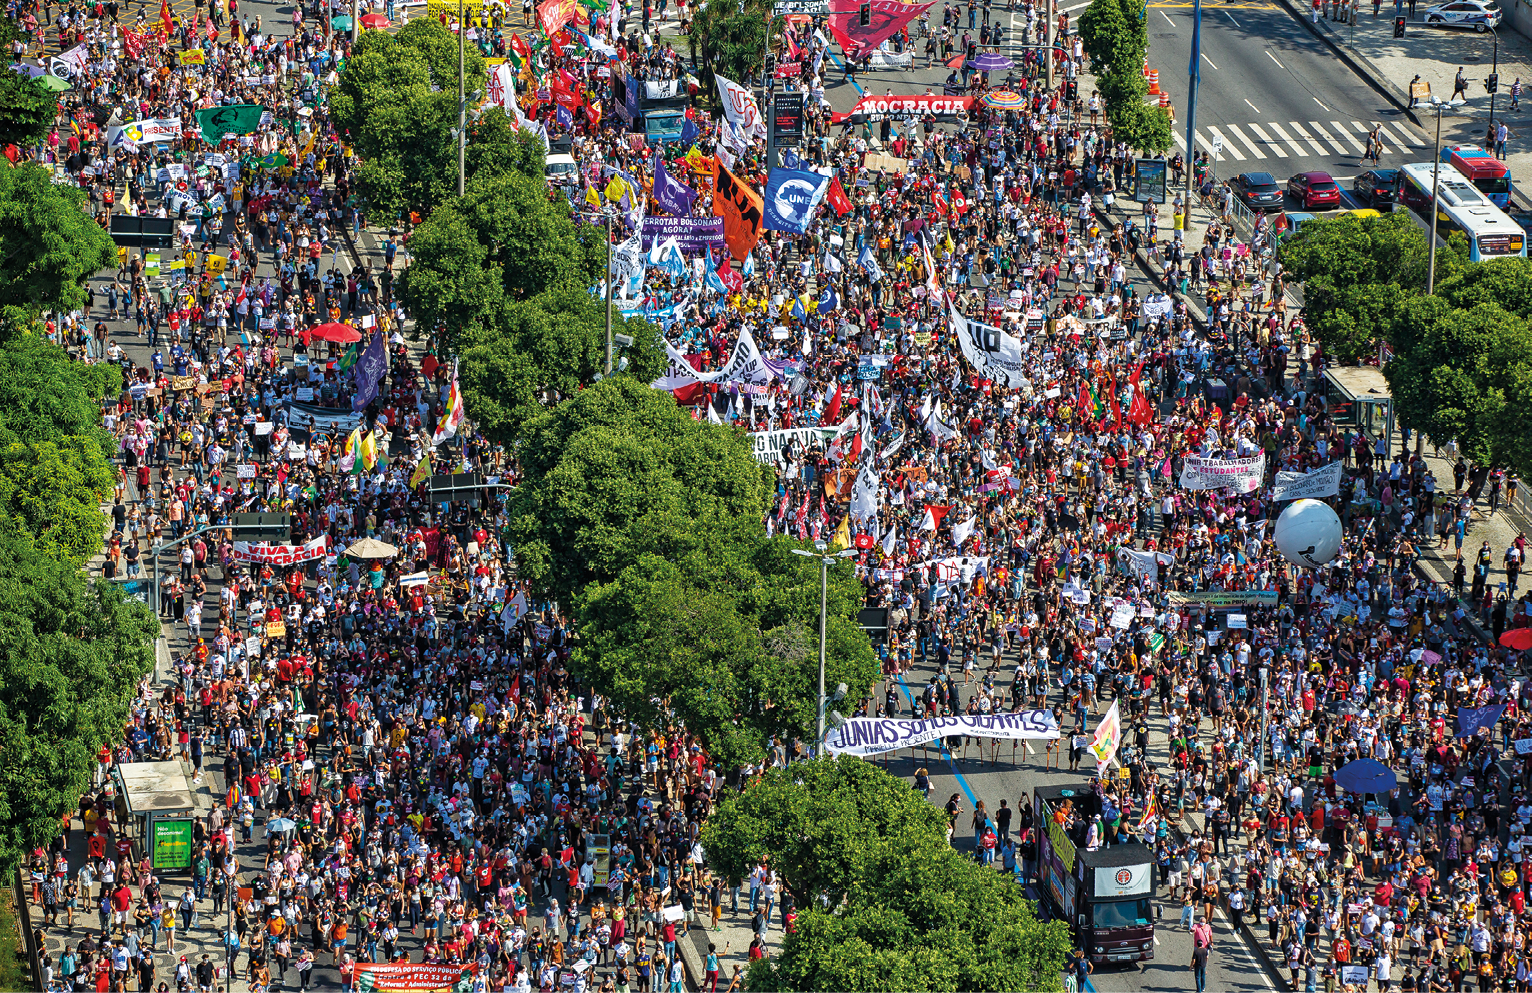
<point>1460,207</point>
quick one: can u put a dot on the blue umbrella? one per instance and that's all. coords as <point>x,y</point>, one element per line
<point>990,62</point>
<point>1366,776</point>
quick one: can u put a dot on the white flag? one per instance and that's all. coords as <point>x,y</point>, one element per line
<point>864,494</point>
<point>961,531</point>
<point>1108,738</point>
<point>740,107</point>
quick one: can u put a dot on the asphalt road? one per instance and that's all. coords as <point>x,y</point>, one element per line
<point>1277,97</point>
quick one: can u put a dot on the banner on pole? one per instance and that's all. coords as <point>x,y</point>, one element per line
<point>1322,482</point>
<point>1240,475</point>
<point>875,735</point>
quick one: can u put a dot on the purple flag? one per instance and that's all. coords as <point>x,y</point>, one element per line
<point>673,196</point>
<point>369,372</point>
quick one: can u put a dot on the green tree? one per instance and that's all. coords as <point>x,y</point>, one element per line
<point>26,109</point>
<point>821,823</point>
<point>71,655</point>
<point>731,39</point>
<point>620,470</point>
<point>503,240</point>
<point>534,354</point>
<point>495,144</point>
<point>1507,282</point>
<point>396,101</point>
<point>1142,127</point>
<point>49,246</point>
<point>1114,35</point>
<point>921,917</point>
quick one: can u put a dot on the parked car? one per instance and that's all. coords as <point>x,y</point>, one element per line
<point>1258,191</point>
<point>1476,14</point>
<point>1314,189</point>
<point>1378,187</point>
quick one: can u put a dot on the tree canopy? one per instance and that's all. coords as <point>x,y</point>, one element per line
<point>71,651</point>
<point>890,904</point>
<point>731,38</point>
<point>27,110</point>
<point>1115,36</point>
<point>821,823</point>
<point>528,357</point>
<point>49,245</point>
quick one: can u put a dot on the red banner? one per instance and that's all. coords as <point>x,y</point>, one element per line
<point>554,14</point>
<point>409,977</point>
<point>886,18</point>
<point>876,108</point>
<point>245,551</point>
<point>742,210</point>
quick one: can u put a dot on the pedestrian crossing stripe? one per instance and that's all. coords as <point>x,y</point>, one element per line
<point>1296,139</point>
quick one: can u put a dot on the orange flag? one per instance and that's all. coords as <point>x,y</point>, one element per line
<point>741,208</point>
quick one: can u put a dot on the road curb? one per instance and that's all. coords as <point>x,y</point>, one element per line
<point>1359,63</point>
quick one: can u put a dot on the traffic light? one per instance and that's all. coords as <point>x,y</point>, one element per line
<point>1398,27</point>
<point>865,14</point>
<point>771,65</point>
<point>1492,82</point>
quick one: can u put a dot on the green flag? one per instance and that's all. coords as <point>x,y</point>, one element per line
<point>349,359</point>
<point>240,118</point>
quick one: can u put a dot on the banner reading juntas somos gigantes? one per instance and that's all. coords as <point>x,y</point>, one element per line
<point>875,735</point>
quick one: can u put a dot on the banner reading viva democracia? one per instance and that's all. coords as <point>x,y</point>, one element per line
<point>409,977</point>
<point>245,551</point>
<point>896,108</point>
<point>1240,475</point>
<point>875,735</point>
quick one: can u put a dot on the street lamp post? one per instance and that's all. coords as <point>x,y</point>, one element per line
<point>1495,72</point>
<point>1438,105</point>
<point>462,103</point>
<point>606,221</point>
<point>825,561</point>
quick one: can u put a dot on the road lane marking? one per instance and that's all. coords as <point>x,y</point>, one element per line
<point>1275,146</point>
<point>1167,19</point>
<point>1340,129</point>
<point>1208,146</point>
<point>1228,146</point>
<point>1231,17</point>
<point>1209,61</point>
<point>1252,106</point>
<point>1298,151</point>
<point>1324,135</point>
<point>1274,59</point>
<point>1326,109</point>
<point>1256,149</point>
<point>1304,135</point>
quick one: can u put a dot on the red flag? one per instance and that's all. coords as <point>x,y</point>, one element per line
<point>884,20</point>
<point>933,518</point>
<point>838,198</point>
<point>1139,411</point>
<point>856,447</point>
<point>134,42</point>
<point>1084,404</point>
<point>833,411</point>
<point>554,14</point>
<point>1138,371</point>
<point>167,24</point>
<point>212,30</point>
<point>1116,409</point>
<point>956,62</point>
<point>521,48</point>
<point>731,279</point>
<point>593,112</point>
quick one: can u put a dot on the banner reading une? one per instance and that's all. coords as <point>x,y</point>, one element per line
<point>1240,475</point>
<point>408,977</point>
<point>875,735</point>
<point>245,551</point>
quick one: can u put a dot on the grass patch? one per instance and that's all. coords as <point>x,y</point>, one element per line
<point>15,972</point>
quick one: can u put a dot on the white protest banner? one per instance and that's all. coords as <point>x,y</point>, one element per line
<point>1240,475</point>
<point>881,59</point>
<point>773,446</point>
<point>1523,746</point>
<point>245,551</point>
<point>1143,565</point>
<point>246,470</point>
<point>1122,615</point>
<point>746,365</point>
<point>990,350</point>
<point>875,735</point>
<point>1322,482</point>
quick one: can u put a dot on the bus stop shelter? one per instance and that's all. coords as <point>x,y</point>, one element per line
<point>157,805</point>
<point>1358,397</point>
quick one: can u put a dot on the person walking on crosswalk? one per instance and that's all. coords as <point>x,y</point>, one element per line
<point>1459,85</point>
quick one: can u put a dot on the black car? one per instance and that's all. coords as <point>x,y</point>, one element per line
<point>1258,191</point>
<point>1377,187</point>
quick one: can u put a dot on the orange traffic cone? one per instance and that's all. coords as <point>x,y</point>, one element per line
<point>1154,82</point>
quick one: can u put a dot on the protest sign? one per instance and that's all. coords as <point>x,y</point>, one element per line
<point>875,735</point>
<point>1239,475</point>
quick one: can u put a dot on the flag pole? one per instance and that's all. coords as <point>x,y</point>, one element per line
<point>1194,73</point>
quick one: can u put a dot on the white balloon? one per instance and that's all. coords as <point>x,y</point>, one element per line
<point>1308,533</point>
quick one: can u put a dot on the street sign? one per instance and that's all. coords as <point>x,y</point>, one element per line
<point>143,232</point>
<point>1217,145</point>
<point>811,7</point>
<point>263,527</point>
<point>787,116</point>
<point>462,487</point>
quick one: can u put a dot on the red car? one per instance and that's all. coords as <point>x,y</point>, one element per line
<point>1314,189</point>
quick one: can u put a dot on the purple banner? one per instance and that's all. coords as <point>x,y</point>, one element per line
<point>369,372</point>
<point>674,196</point>
<point>693,234</point>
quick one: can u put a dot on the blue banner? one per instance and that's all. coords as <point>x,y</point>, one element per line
<point>792,196</point>
<point>369,372</point>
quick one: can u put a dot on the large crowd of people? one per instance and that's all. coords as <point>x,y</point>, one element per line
<point>1006,347</point>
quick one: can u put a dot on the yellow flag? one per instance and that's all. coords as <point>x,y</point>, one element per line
<point>422,471</point>
<point>592,197</point>
<point>354,441</point>
<point>369,452</point>
<point>696,159</point>
<point>192,57</point>
<point>616,188</point>
<point>216,264</point>
<point>842,535</point>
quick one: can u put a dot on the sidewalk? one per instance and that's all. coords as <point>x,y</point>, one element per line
<point>1435,54</point>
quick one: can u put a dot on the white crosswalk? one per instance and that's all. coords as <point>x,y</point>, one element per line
<point>1270,140</point>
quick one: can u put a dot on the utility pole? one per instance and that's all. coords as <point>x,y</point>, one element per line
<point>825,561</point>
<point>1048,46</point>
<point>1194,74</point>
<point>606,224</point>
<point>462,104</point>
<point>1438,105</point>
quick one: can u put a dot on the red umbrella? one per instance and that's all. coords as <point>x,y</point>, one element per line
<point>377,21</point>
<point>341,334</point>
<point>1517,638</point>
